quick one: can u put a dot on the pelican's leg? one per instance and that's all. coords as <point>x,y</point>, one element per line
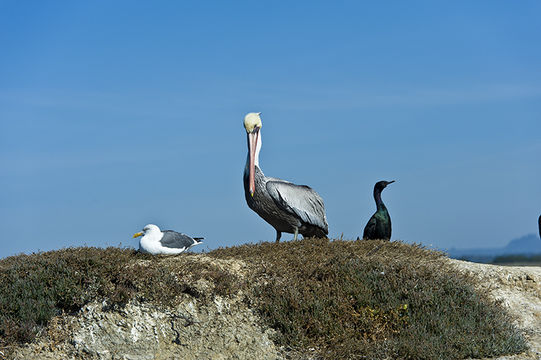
<point>296,234</point>
<point>278,235</point>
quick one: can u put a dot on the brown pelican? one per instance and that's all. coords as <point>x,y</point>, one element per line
<point>287,207</point>
<point>168,242</point>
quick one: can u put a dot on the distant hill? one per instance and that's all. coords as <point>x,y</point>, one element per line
<point>526,245</point>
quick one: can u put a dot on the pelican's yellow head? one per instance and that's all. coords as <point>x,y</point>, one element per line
<point>252,121</point>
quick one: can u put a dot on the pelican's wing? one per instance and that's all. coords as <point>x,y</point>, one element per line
<point>173,239</point>
<point>299,200</point>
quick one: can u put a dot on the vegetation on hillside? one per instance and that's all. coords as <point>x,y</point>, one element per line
<point>351,299</point>
<point>346,299</point>
<point>34,288</point>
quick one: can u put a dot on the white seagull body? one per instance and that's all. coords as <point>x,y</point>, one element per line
<point>167,242</point>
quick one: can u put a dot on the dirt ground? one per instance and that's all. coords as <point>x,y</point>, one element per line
<point>519,289</point>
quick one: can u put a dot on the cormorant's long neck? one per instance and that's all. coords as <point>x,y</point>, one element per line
<point>379,203</point>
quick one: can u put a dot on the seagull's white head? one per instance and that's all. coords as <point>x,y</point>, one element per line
<point>252,122</point>
<point>148,229</point>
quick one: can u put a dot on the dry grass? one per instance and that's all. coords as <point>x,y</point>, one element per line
<point>34,288</point>
<point>346,299</point>
<point>357,299</point>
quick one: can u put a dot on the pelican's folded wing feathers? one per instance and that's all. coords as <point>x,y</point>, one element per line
<point>299,200</point>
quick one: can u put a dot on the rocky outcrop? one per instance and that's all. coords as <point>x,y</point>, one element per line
<point>519,290</point>
<point>219,328</point>
<point>209,326</point>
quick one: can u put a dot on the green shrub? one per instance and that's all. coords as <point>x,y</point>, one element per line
<point>34,288</point>
<point>355,299</point>
<point>345,299</point>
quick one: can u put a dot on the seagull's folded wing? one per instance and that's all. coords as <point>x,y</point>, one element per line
<point>173,239</point>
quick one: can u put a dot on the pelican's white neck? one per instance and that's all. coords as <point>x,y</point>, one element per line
<point>253,141</point>
<point>257,149</point>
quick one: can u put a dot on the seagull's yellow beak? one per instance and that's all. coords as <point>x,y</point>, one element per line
<point>137,235</point>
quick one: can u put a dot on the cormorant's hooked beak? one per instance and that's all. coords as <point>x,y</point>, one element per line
<point>390,182</point>
<point>253,138</point>
<point>138,234</point>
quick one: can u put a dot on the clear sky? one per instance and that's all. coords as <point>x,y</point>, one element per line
<point>115,114</point>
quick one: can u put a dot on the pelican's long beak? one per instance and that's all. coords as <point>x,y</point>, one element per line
<point>252,141</point>
<point>137,234</point>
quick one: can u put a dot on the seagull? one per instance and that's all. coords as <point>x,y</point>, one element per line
<point>168,242</point>
<point>285,206</point>
<point>379,225</point>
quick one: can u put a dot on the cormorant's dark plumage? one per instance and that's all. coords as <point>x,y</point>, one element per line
<point>379,225</point>
<point>539,221</point>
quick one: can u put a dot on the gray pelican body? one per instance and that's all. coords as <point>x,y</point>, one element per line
<point>287,207</point>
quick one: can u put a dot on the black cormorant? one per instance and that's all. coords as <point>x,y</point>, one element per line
<point>539,221</point>
<point>379,225</point>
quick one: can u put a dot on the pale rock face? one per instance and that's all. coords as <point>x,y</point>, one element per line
<point>188,332</point>
<point>219,328</point>
<point>519,290</point>
<point>225,328</point>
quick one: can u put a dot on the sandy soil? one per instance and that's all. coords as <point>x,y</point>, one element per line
<point>519,289</point>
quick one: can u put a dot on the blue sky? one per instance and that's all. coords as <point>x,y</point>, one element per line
<point>118,114</point>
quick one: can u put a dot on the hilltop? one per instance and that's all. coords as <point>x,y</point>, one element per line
<point>309,299</point>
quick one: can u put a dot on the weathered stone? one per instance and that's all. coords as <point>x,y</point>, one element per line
<point>209,327</point>
<point>519,290</point>
<point>217,328</point>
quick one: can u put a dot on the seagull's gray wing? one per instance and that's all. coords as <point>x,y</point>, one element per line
<point>173,239</point>
<point>299,200</point>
